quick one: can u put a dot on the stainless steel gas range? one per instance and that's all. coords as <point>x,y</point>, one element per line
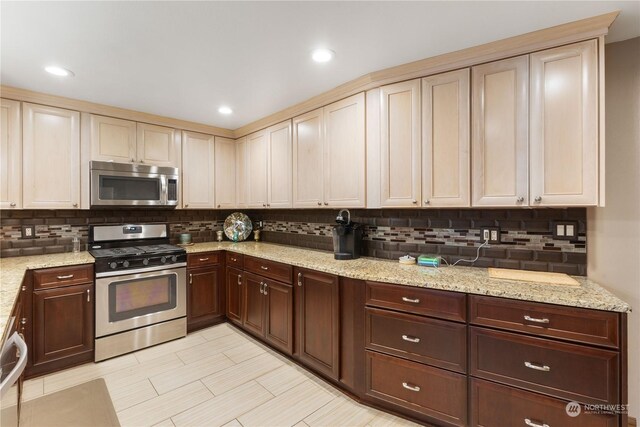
<point>141,287</point>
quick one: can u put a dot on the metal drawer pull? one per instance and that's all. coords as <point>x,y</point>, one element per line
<point>88,295</point>
<point>234,259</point>
<point>299,279</point>
<point>410,387</point>
<point>265,288</point>
<point>263,267</point>
<point>261,285</point>
<point>410,339</point>
<point>533,319</point>
<point>190,278</point>
<point>537,367</point>
<point>203,259</point>
<point>413,300</point>
<point>239,279</point>
<point>530,423</point>
<point>68,276</point>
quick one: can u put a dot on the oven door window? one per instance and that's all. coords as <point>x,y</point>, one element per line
<point>142,296</point>
<point>129,188</point>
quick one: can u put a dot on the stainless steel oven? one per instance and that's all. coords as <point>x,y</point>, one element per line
<point>125,184</point>
<point>141,287</point>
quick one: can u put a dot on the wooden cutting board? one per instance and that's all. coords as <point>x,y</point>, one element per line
<point>533,276</point>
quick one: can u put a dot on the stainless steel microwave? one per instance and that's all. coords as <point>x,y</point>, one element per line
<point>125,184</point>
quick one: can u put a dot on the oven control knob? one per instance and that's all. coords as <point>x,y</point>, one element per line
<point>113,265</point>
<point>145,261</point>
<point>163,259</point>
<point>125,264</point>
<point>174,258</point>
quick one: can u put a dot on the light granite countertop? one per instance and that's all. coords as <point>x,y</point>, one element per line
<point>471,280</point>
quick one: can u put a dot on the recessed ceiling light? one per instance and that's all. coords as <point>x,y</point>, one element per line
<point>225,110</point>
<point>58,71</point>
<point>322,55</point>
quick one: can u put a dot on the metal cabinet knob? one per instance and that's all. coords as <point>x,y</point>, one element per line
<point>538,199</point>
<point>75,205</point>
<point>218,206</point>
<point>141,160</point>
<point>264,205</point>
<point>326,203</point>
<point>426,202</point>
<point>415,202</point>
<point>186,205</point>
<point>268,205</point>
<point>12,204</point>
<point>520,199</point>
<point>133,160</point>
<point>319,204</point>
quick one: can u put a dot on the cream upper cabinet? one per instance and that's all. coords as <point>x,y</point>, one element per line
<point>400,144</point>
<point>112,139</point>
<point>10,156</point>
<point>51,153</point>
<point>308,158</point>
<point>500,133</point>
<point>257,165</point>
<point>241,172</point>
<point>445,140</point>
<point>198,179</point>
<point>564,126</point>
<point>344,153</point>
<point>158,145</point>
<point>279,166</point>
<point>225,173</point>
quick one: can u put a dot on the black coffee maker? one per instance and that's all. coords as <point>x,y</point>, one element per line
<point>347,237</point>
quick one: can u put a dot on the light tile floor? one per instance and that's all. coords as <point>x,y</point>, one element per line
<point>215,377</point>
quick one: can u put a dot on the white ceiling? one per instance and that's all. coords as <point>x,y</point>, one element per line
<point>185,59</point>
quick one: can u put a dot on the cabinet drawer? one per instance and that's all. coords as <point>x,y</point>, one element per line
<point>428,302</point>
<point>271,269</point>
<point>435,342</point>
<point>436,393</point>
<point>204,259</point>
<point>62,276</point>
<point>495,405</point>
<point>566,371</point>
<point>575,324</point>
<point>235,260</point>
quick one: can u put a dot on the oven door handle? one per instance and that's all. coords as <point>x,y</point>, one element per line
<point>140,270</point>
<point>17,341</point>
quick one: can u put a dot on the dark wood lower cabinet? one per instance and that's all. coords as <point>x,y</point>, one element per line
<point>318,321</point>
<point>205,298</point>
<point>63,331</point>
<point>234,295</point>
<point>432,394</point>
<point>495,405</point>
<point>268,311</point>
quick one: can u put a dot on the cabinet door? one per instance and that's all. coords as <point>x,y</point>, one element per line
<point>279,313</point>
<point>225,173</point>
<point>204,301</point>
<point>158,145</point>
<point>308,191</point>
<point>241,172</point>
<point>234,295</point>
<point>257,162</point>
<point>445,139</point>
<point>51,157</point>
<point>198,160</point>
<point>62,323</point>
<point>253,314</point>
<point>318,318</point>
<point>112,139</point>
<point>10,156</point>
<point>500,138</point>
<point>564,126</point>
<point>400,144</point>
<point>280,167</point>
<point>344,153</point>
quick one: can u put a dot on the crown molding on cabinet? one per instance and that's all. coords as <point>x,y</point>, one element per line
<point>25,95</point>
<point>571,32</point>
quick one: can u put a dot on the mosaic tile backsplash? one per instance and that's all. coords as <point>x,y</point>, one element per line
<point>526,238</point>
